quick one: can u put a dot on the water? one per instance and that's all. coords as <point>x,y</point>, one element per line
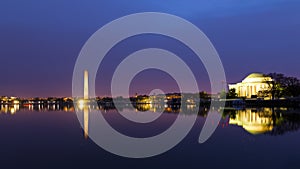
<point>51,137</point>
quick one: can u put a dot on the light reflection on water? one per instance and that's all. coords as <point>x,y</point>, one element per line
<point>264,120</point>
<point>51,134</point>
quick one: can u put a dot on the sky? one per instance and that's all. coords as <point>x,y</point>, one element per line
<point>41,40</point>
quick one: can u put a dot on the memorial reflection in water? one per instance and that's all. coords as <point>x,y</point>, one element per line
<point>255,121</point>
<point>273,121</point>
<point>265,120</point>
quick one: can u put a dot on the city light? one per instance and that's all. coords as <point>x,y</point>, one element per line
<point>81,104</point>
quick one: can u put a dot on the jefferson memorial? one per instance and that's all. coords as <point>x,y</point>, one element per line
<point>251,85</point>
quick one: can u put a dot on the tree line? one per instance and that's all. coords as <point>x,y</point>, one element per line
<point>281,86</point>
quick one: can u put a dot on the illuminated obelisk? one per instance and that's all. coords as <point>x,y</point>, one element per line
<point>86,85</point>
<point>86,108</point>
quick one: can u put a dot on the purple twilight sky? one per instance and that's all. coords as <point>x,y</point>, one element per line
<point>40,41</point>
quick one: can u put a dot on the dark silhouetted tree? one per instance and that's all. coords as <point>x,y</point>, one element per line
<point>282,86</point>
<point>232,94</point>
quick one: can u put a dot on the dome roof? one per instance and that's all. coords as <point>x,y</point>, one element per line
<point>255,75</point>
<point>256,78</point>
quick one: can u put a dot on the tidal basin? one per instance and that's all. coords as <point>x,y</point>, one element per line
<point>245,138</point>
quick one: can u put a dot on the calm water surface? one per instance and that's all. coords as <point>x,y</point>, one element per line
<point>51,137</point>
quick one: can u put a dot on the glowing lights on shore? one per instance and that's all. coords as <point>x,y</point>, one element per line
<point>16,102</point>
<point>81,104</point>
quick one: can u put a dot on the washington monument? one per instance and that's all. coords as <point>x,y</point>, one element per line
<point>86,85</point>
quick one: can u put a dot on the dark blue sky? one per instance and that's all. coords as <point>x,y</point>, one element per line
<point>40,40</point>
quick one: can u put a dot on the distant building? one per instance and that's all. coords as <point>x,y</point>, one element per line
<point>251,85</point>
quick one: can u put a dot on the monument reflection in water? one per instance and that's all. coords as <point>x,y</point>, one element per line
<point>274,121</point>
<point>255,121</point>
<point>265,120</point>
<point>54,129</point>
<point>84,108</point>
